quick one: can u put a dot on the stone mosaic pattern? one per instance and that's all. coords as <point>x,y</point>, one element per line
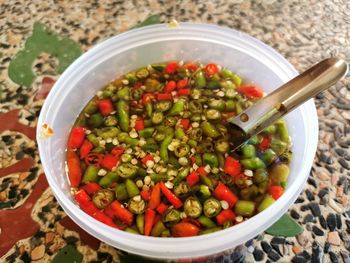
<point>303,31</point>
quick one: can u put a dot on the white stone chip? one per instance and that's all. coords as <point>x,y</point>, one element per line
<point>248,173</point>
<point>224,204</point>
<point>101,172</point>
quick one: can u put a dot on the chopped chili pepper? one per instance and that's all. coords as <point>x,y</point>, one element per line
<point>76,137</point>
<point>162,208</point>
<point>232,167</point>
<point>202,171</point>
<point>222,192</point>
<point>139,124</point>
<point>185,123</point>
<point>170,86</point>
<point>240,180</point>
<point>192,221</point>
<point>192,179</point>
<point>191,66</point>
<point>137,84</point>
<point>100,216</point>
<point>149,221</point>
<point>225,216</point>
<point>265,143</point>
<point>117,151</point>
<point>93,158</point>
<point>81,196</point>
<point>74,169</point>
<point>109,161</point>
<point>85,148</point>
<point>172,198</point>
<point>148,97</point>
<point>184,229</point>
<point>145,195</point>
<point>105,106</point>
<point>121,213</point>
<point>182,83</point>
<point>251,92</point>
<point>91,187</point>
<point>184,92</point>
<point>147,158</point>
<point>276,191</point>
<point>155,197</point>
<point>193,159</point>
<point>211,69</point>
<point>171,68</point>
<point>164,96</point>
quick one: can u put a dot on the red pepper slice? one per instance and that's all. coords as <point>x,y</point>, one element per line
<point>171,68</point>
<point>76,137</point>
<point>149,221</point>
<point>93,158</point>
<point>164,96</point>
<point>137,84</point>
<point>105,106</point>
<point>147,97</point>
<point>74,169</point>
<point>172,198</point>
<point>182,83</point>
<point>191,66</point>
<point>276,191</point>
<point>85,148</point>
<point>155,197</point>
<point>91,188</point>
<point>265,143</point>
<point>225,216</point>
<point>192,221</point>
<point>170,86</point>
<point>222,192</point>
<point>232,167</point>
<point>100,216</point>
<point>162,208</point>
<point>240,181</point>
<point>139,124</point>
<point>211,69</point>
<point>145,195</point>
<point>109,161</point>
<point>184,229</point>
<point>81,196</point>
<point>184,92</point>
<point>147,158</point>
<point>251,92</point>
<point>185,123</point>
<point>193,159</point>
<point>202,171</point>
<point>192,179</point>
<point>117,151</point>
<point>121,213</point>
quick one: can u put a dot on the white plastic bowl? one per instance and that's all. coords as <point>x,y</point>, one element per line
<point>247,56</point>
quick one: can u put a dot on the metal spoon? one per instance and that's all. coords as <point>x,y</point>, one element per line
<point>285,99</point>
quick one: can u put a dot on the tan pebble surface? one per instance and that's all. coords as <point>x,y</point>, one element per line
<point>333,238</point>
<point>302,240</point>
<point>38,252</point>
<point>49,237</point>
<point>59,229</point>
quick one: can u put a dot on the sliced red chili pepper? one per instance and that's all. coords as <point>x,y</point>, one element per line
<point>184,229</point>
<point>191,66</point>
<point>147,158</point>
<point>117,151</point>
<point>202,171</point>
<point>276,191</point>
<point>91,188</point>
<point>222,192</point>
<point>137,84</point>
<point>193,159</point>
<point>74,169</point>
<point>171,68</point>
<point>94,158</point>
<point>109,161</point>
<point>147,97</point>
<point>139,124</point>
<point>145,195</point>
<point>100,216</point>
<point>121,213</point>
<point>155,197</point>
<point>265,143</point>
<point>85,148</point>
<point>225,216</point>
<point>240,181</point>
<point>211,69</point>
<point>88,207</point>
<point>76,137</point>
<point>105,106</point>
<point>172,198</point>
<point>182,83</point>
<point>162,208</point>
<point>149,221</point>
<point>184,92</point>
<point>185,123</point>
<point>170,86</point>
<point>192,221</point>
<point>232,167</point>
<point>251,92</point>
<point>228,114</point>
<point>164,96</point>
<point>81,196</point>
<point>192,179</point>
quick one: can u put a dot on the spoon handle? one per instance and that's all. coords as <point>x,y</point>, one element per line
<point>287,97</point>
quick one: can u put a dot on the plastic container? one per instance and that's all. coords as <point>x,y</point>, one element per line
<point>245,55</point>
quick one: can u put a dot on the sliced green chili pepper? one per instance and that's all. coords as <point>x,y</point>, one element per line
<point>102,198</point>
<point>195,134</point>
<point>181,189</point>
<point>195,106</point>
<point>108,179</point>
<point>137,205</point>
<point>95,120</point>
<point>282,130</point>
<point>207,181</point>
<point>270,129</point>
<point>158,229</point>
<point>254,140</point>
<point>253,163</point>
<point>123,93</point>
<point>171,217</point>
<point>265,203</point>
<point>279,173</point>
<point>131,141</point>
<point>213,114</point>
<point>107,132</point>
<point>195,94</point>
<point>132,231</point>
<point>203,193</point>
<point>149,109</point>
<point>222,146</point>
<point>123,114</point>
<point>211,159</point>
<point>198,159</point>
<point>209,230</point>
<point>200,80</point>
<point>93,139</point>
<point>157,117</point>
<point>152,85</point>
<point>182,150</point>
<point>278,146</point>
<point>192,143</point>
<point>177,108</point>
<point>248,151</point>
<point>170,121</point>
<point>249,193</point>
<point>206,222</point>
<point>111,121</point>
<point>163,105</point>
<point>98,150</point>
<point>183,172</point>
<point>131,77</point>
<point>260,175</point>
<point>122,136</point>
<point>91,107</point>
<point>136,94</point>
<point>90,174</point>
<point>216,104</point>
<point>244,208</point>
<point>147,132</point>
<point>211,207</point>
<point>159,67</point>
<point>192,207</point>
<point>163,152</point>
<point>166,233</point>
<point>142,73</point>
<point>126,170</point>
<point>209,129</point>
<point>179,133</point>
<point>150,146</point>
<point>213,84</point>
<point>120,192</point>
<point>268,156</point>
<point>230,105</point>
<point>159,177</point>
<point>140,222</point>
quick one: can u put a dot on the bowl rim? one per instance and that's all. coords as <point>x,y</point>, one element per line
<point>182,247</point>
